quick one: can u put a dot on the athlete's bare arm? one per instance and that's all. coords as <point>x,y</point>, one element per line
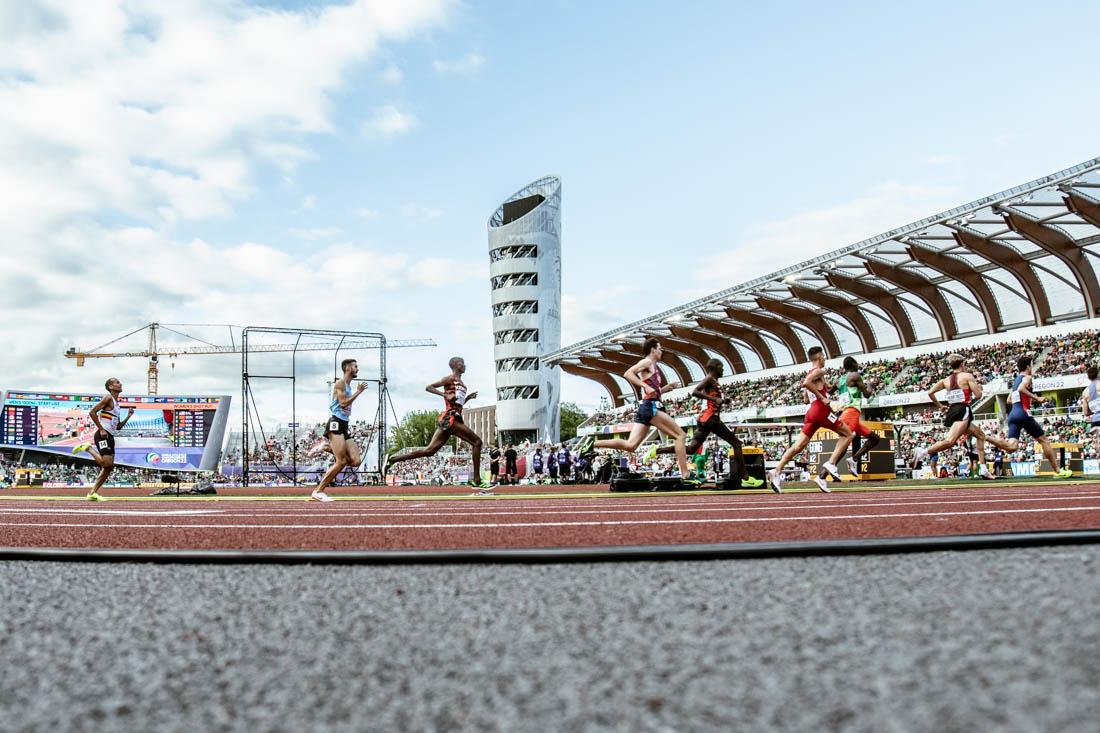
<point>813,379</point>
<point>471,396</point>
<point>632,374</point>
<point>942,384</point>
<point>966,378</point>
<point>1085,402</point>
<point>338,393</point>
<point>445,383</point>
<point>699,392</point>
<point>856,380</point>
<point>1025,389</point>
<point>129,414</point>
<point>94,414</point>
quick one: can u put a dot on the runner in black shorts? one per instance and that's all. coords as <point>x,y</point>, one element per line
<point>511,465</point>
<point>494,462</point>
<point>450,424</point>
<point>709,422</point>
<point>344,449</point>
<point>646,377</point>
<point>107,416</point>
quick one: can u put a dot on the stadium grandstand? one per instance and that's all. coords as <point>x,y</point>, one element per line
<point>1009,274</point>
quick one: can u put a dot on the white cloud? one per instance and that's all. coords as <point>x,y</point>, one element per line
<point>309,203</point>
<point>391,75</point>
<point>369,214</point>
<point>418,211</point>
<point>389,121</point>
<point>313,234</point>
<point>799,237</point>
<point>467,64</point>
<point>161,113</point>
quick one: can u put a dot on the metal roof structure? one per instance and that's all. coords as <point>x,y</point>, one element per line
<point>1019,258</point>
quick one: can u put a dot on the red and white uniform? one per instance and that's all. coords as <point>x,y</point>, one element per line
<point>819,415</point>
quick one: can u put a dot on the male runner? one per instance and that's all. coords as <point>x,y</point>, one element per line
<point>552,464</point>
<point>106,415</point>
<point>450,424</point>
<point>961,390</point>
<point>343,447</point>
<point>511,465</point>
<point>816,389</point>
<point>565,463</point>
<point>850,393</point>
<point>1019,417</point>
<point>646,377</point>
<point>709,421</point>
<point>1090,404</point>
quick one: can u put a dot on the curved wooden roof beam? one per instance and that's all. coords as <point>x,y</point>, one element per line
<point>775,326</point>
<point>961,271</point>
<point>807,318</point>
<point>601,378</point>
<point>1062,246</point>
<point>750,337</point>
<point>734,362</point>
<point>843,308</point>
<point>1009,259</point>
<point>921,287</point>
<point>880,297</point>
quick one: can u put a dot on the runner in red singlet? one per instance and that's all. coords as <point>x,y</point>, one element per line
<point>816,389</point>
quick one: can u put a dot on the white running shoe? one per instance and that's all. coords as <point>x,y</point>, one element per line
<point>853,467</point>
<point>775,481</point>
<point>832,470</point>
<point>320,496</point>
<point>822,484</point>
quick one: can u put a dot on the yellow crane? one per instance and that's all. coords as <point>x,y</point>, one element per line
<point>154,351</point>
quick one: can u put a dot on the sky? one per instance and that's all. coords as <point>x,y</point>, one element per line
<point>333,165</point>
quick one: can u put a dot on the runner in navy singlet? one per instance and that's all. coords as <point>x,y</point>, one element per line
<point>1020,419</point>
<point>646,377</point>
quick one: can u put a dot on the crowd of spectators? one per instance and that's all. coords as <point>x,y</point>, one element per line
<point>309,444</point>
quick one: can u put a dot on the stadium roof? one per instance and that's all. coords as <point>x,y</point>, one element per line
<point>1019,258</point>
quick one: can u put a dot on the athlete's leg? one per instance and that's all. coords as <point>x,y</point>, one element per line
<point>340,452</point>
<point>797,447</point>
<point>842,444</point>
<point>637,435</point>
<point>440,437</point>
<point>668,426</point>
<point>1048,453</point>
<point>462,432</point>
<point>955,432</point>
<point>697,439</point>
<point>869,442</point>
<point>106,465</point>
<point>723,432</point>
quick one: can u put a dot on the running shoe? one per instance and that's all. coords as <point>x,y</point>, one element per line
<point>650,454</point>
<point>822,484</point>
<point>775,480</point>
<point>92,496</point>
<point>81,448</point>
<point>1064,473</point>
<point>983,472</point>
<point>853,467</point>
<point>587,445</point>
<point>832,470</point>
<point>752,482</point>
<point>318,495</point>
<point>918,455</point>
<point>691,483</point>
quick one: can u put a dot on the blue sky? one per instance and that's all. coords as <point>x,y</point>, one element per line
<point>699,145</point>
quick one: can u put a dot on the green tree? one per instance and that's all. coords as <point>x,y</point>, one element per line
<point>571,418</point>
<point>415,430</point>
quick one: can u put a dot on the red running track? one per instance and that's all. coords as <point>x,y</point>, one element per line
<point>603,520</point>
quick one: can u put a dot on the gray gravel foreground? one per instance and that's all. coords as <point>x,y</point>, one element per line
<point>973,641</point>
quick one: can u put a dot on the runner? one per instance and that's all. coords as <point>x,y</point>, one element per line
<point>816,389</point>
<point>565,463</point>
<point>343,447</point>
<point>851,392</point>
<point>450,424</point>
<point>1090,406</point>
<point>552,464</point>
<point>646,377</point>
<point>961,389</point>
<point>106,414</point>
<point>1019,417</point>
<point>494,462</point>
<point>709,421</point>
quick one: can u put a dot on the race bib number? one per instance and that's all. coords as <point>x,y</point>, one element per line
<point>333,426</point>
<point>1014,397</point>
<point>1094,406</point>
<point>955,396</point>
<point>103,445</point>
<point>658,405</point>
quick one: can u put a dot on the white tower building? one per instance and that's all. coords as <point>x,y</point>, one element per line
<point>525,270</point>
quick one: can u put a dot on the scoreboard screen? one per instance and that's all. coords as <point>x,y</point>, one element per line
<point>167,432</point>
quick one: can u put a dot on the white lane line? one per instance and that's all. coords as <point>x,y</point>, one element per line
<point>609,523</point>
<point>665,510</point>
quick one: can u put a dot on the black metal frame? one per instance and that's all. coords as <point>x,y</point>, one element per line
<point>247,377</point>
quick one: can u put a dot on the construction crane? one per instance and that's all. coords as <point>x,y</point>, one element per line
<point>153,351</point>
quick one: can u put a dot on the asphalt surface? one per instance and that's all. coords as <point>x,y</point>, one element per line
<point>1005,640</point>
